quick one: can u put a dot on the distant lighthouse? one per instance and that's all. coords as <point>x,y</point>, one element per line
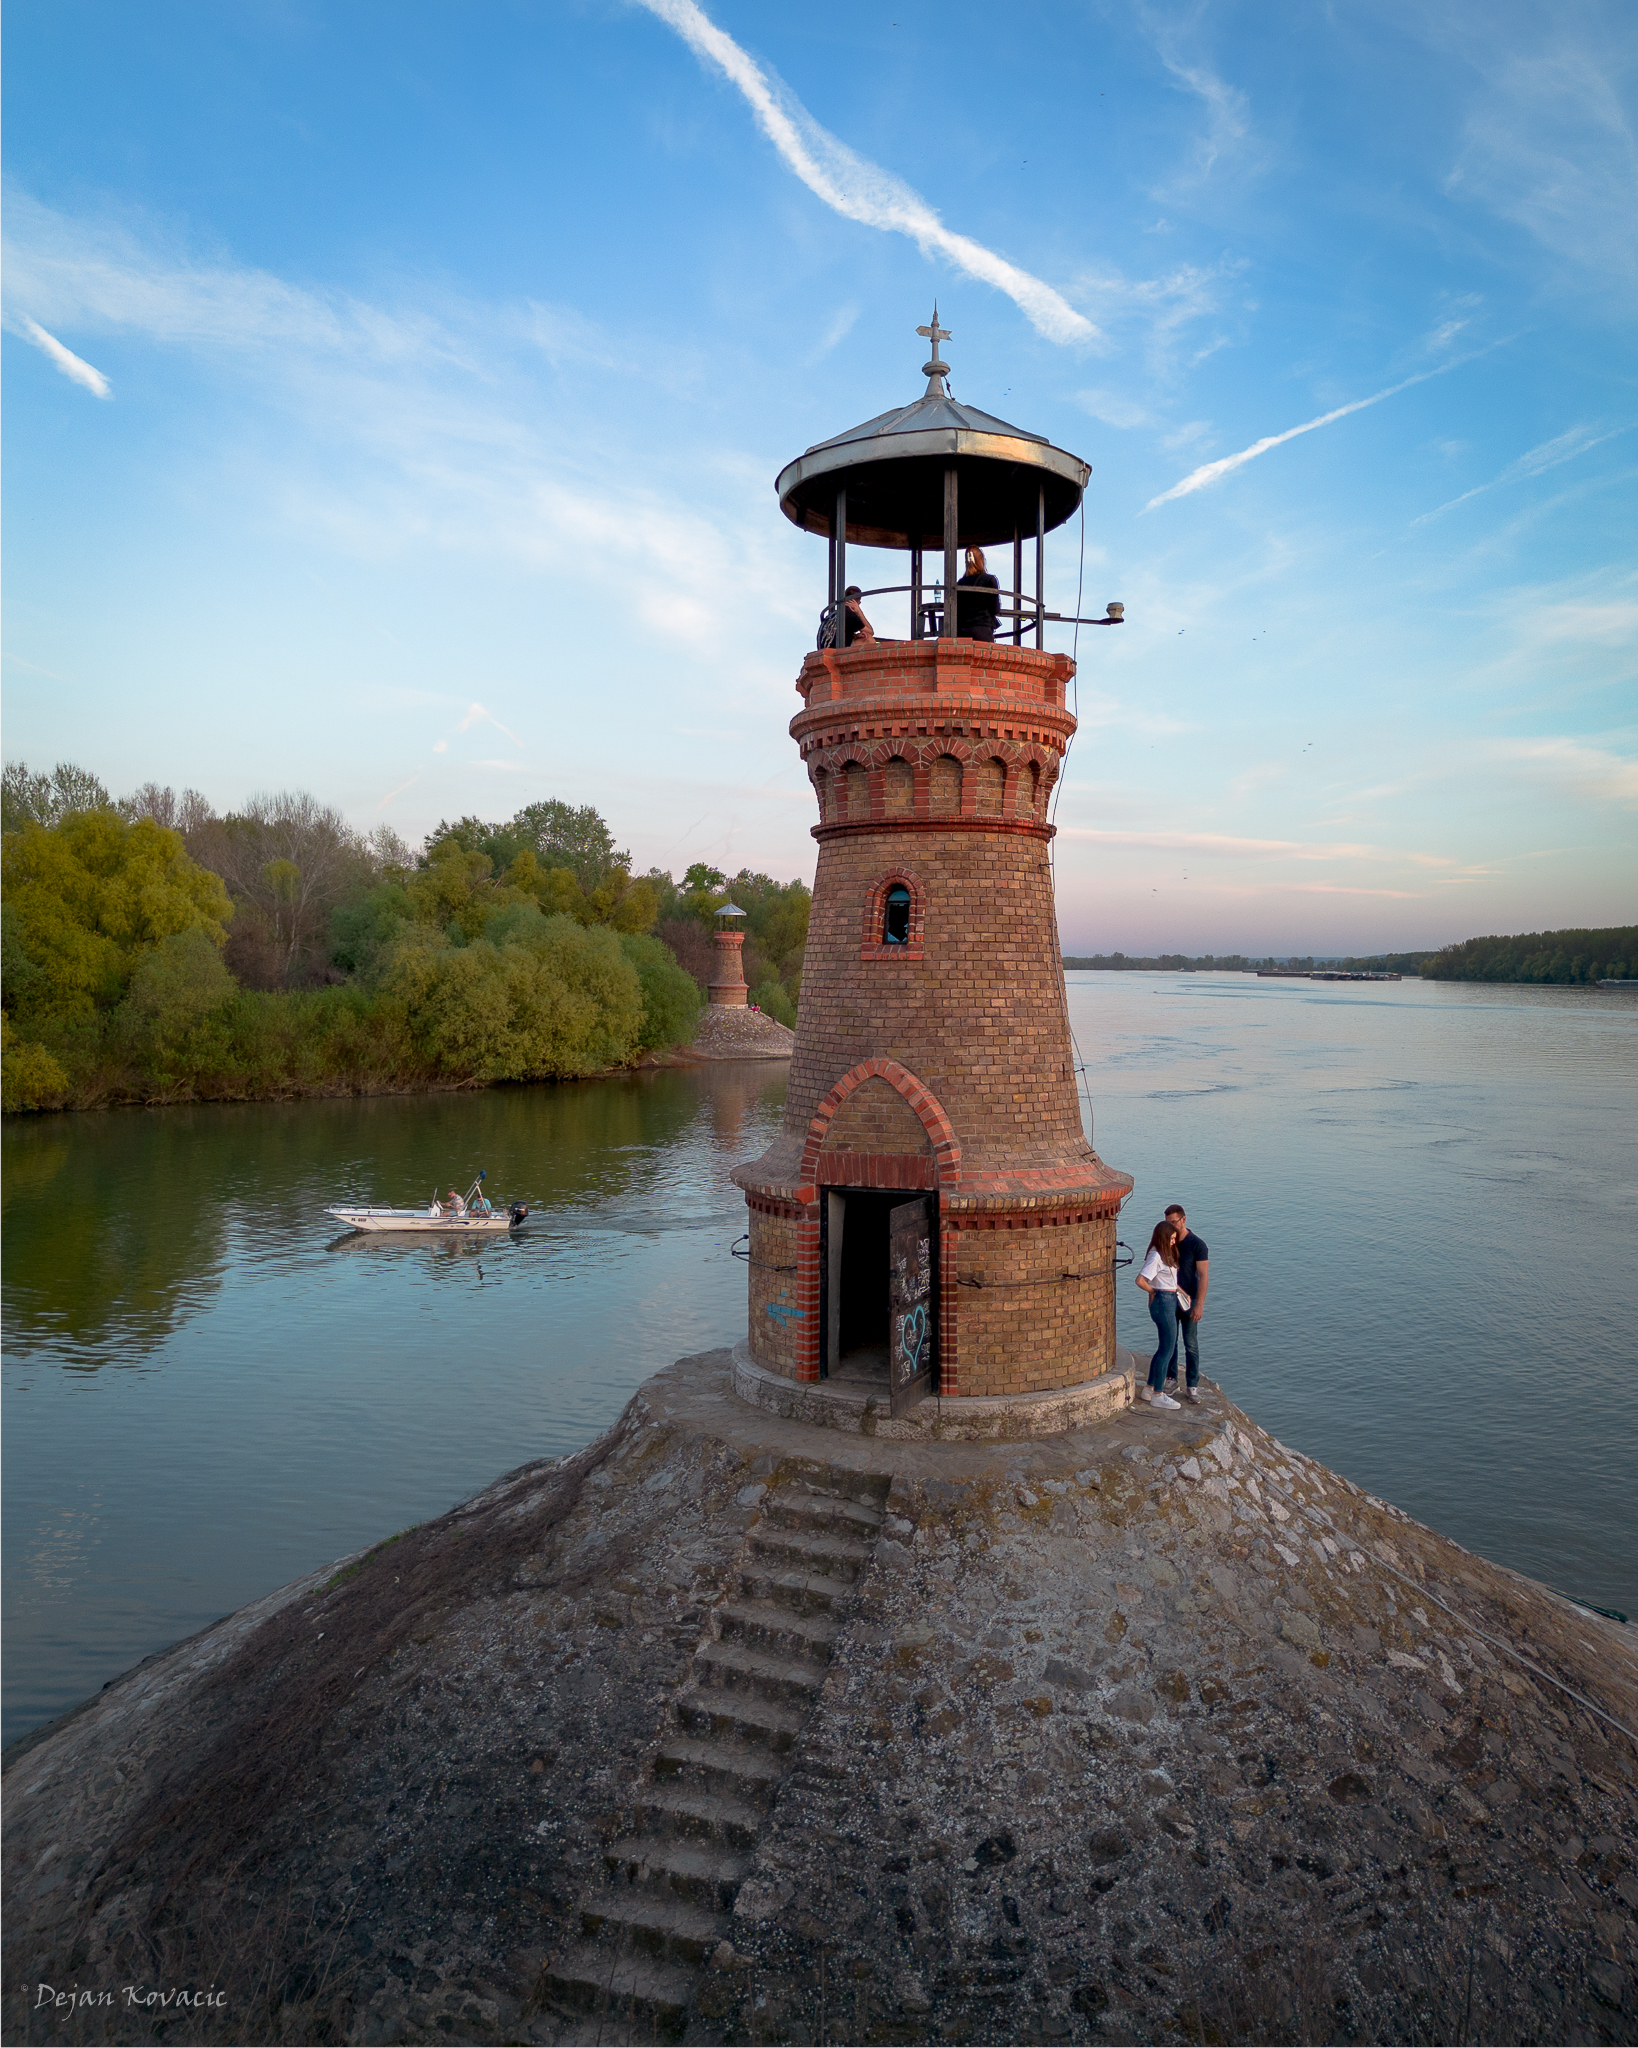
<point>931,1216</point>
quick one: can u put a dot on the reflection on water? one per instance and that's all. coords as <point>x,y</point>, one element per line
<point>208,1392</point>
<point>96,1275</point>
<point>1420,1204</point>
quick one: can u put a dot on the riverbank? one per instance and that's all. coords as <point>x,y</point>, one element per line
<point>1152,1729</point>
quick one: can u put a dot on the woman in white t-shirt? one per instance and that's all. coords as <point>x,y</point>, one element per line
<point>1158,1278</point>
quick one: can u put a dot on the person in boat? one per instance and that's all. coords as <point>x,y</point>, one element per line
<point>457,1202</point>
<point>976,615</point>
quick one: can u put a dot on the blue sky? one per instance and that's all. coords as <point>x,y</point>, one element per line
<point>394,396</point>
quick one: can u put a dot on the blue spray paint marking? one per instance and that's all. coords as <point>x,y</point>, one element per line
<point>782,1311</point>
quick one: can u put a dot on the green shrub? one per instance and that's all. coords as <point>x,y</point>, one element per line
<point>770,996</point>
<point>30,1078</point>
<point>671,996</point>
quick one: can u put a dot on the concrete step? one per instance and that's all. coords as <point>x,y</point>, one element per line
<point>689,1813</point>
<point>701,1763</point>
<point>842,1557</point>
<point>840,1482</point>
<point>640,1996</point>
<point>665,1927</point>
<point>834,1514</point>
<point>736,1667</point>
<point>698,1873</point>
<point>762,1625</point>
<point>706,1710</point>
<point>767,1581</point>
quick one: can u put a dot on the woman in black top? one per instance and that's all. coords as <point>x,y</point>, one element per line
<point>976,615</point>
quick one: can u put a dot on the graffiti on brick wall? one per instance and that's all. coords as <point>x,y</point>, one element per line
<point>783,1310</point>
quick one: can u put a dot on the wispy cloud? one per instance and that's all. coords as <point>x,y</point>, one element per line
<point>1113,410</point>
<point>1584,772</point>
<point>1213,472</point>
<point>477,715</point>
<point>71,365</point>
<point>426,422</point>
<point>1221,843</point>
<point>1536,462</point>
<point>399,791</point>
<point>1549,145</point>
<point>854,187</point>
<point>1227,119</point>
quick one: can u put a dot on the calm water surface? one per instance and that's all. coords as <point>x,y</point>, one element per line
<point>1420,1202</point>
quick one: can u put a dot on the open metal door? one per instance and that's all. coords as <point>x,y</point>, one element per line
<point>912,1307</point>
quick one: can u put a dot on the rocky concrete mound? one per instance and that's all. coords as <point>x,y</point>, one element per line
<point>732,1033</point>
<point>731,1729</point>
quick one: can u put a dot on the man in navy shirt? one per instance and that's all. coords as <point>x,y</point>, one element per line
<point>1193,1278</point>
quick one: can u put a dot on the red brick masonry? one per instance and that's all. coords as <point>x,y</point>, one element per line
<point>727,984</point>
<point>945,1063</point>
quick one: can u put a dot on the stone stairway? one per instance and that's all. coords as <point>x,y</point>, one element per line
<point>667,1894</point>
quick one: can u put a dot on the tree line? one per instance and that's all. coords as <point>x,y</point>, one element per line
<point>1241,963</point>
<point>155,951</point>
<point>1569,957</point>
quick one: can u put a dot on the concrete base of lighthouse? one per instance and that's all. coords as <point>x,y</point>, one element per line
<point>857,1407</point>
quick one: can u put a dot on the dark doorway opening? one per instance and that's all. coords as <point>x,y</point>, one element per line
<point>856,1291</point>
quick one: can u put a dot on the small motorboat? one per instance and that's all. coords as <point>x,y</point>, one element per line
<point>468,1215</point>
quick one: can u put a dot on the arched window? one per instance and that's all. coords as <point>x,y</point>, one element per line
<point>894,909</point>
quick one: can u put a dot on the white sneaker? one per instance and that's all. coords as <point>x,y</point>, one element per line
<point>1146,1393</point>
<point>1166,1401</point>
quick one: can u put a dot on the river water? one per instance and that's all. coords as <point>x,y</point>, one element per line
<point>1420,1202</point>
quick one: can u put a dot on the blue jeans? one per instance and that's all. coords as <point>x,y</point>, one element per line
<point>1163,1313</point>
<point>1188,1342</point>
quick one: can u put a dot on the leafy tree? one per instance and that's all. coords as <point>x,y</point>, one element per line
<point>692,947</point>
<point>562,836</point>
<point>30,1077</point>
<point>671,1000</point>
<point>27,799</point>
<point>770,995</point>
<point>178,986</point>
<point>1575,956</point>
<point>555,999</point>
<point>700,878</point>
<point>183,814</point>
<point>499,845</point>
<point>289,861</point>
<point>87,895</point>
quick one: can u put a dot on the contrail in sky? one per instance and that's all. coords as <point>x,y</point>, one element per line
<point>856,188</point>
<point>1209,472</point>
<point>476,711</point>
<point>1534,463</point>
<point>70,364</point>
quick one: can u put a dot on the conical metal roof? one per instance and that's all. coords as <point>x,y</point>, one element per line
<point>893,466</point>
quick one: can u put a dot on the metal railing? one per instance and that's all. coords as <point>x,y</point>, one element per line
<point>1030,612</point>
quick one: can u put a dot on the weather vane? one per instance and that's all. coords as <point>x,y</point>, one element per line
<point>935,371</point>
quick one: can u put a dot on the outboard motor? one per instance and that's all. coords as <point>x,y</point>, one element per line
<point>517,1212</point>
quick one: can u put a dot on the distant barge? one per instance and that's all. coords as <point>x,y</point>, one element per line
<point>1319,974</point>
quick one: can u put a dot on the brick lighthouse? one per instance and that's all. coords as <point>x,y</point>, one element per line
<point>931,1217</point>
